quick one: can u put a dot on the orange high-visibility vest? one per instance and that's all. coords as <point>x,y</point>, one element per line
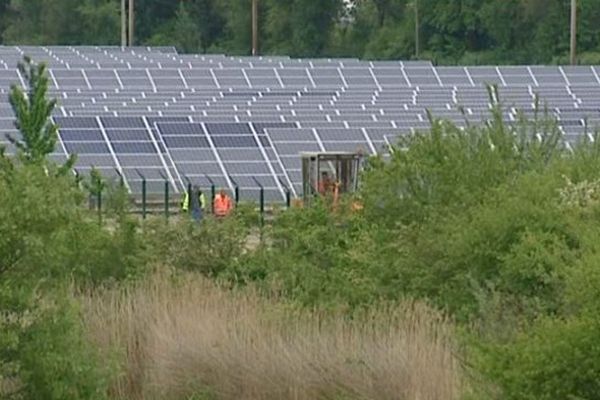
<point>223,205</point>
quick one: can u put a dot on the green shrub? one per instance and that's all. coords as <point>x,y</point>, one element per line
<point>55,361</point>
<point>556,359</point>
<point>48,241</point>
<point>210,247</point>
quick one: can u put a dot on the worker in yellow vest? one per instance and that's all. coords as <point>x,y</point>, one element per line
<point>194,203</point>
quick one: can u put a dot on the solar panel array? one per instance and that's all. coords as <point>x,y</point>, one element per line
<point>243,121</point>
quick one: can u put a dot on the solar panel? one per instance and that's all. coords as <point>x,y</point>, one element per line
<point>234,141</point>
<point>262,126</point>
<point>186,141</point>
<point>180,128</point>
<point>122,122</point>
<point>76,122</point>
<point>199,168</point>
<point>228,129</point>
<point>133,147</point>
<point>74,135</point>
<point>87,147</point>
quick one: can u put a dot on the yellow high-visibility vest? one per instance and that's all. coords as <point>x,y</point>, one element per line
<point>185,203</point>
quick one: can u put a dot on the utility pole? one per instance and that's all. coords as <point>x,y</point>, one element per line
<point>123,24</point>
<point>417,30</point>
<point>573,32</point>
<point>254,27</point>
<point>131,22</point>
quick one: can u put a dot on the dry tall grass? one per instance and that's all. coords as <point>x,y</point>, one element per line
<point>182,339</point>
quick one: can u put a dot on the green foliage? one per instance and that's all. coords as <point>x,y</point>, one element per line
<point>300,27</point>
<point>33,112</point>
<point>469,31</point>
<point>55,360</point>
<point>47,242</point>
<point>96,184</point>
<point>186,31</point>
<point>448,168</point>
<point>210,247</point>
<point>309,256</point>
<point>557,359</point>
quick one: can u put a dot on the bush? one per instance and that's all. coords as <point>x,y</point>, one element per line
<point>209,248</point>
<point>48,241</point>
<point>56,362</point>
<point>557,359</point>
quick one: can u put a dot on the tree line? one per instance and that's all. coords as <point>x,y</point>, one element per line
<point>450,31</point>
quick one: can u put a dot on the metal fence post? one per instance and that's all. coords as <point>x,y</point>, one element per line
<point>261,201</point>
<point>236,191</point>
<point>121,179</point>
<point>78,178</point>
<point>99,206</point>
<point>144,194</point>
<point>288,194</point>
<point>213,193</point>
<point>166,196</point>
<point>167,199</point>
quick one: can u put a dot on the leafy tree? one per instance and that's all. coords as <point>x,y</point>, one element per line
<point>33,112</point>
<point>102,22</point>
<point>209,21</point>
<point>186,32</point>
<point>301,27</point>
<point>237,32</point>
<point>44,21</point>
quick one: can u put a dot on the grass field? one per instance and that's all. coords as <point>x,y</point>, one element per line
<point>176,339</point>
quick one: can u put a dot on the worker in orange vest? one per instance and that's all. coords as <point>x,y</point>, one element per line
<point>222,204</point>
<point>324,184</point>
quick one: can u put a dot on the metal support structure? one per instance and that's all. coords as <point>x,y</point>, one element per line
<point>573,32</point>
<point>254,27</point>
<point>131,21</point>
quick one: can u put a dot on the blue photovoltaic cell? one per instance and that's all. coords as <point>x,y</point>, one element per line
<point>81,135</point>
<point>153,120</point>
<point>234,141</point>
<point>87,148</point>
<point>76,122</point>
<point>180,129</point>
<point>134,147</point>
<point>228,129</point>
<point>127,135</point>
<point>260,127</point>
<point>183,142</point>
<point>122,122</point>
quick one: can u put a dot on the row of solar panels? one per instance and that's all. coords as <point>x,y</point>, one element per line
<point>318,77</point>
<point>230,121</point>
